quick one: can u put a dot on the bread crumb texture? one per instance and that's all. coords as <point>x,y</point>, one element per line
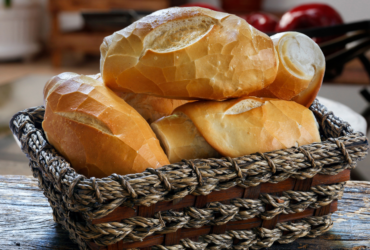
<point>301,68</point>
<point>189,53</point>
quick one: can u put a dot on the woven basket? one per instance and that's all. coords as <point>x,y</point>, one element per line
<point>248,202</point>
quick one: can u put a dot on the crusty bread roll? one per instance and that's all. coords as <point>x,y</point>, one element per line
<point>96,131</point>
<point>151,108</point>
<point>239,127</point>
<point>55,81</point>
<point>180,139</point>
<point>301,69</point>
<point>189,53</point>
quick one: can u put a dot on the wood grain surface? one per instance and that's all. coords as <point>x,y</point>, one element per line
<point>26,220</point>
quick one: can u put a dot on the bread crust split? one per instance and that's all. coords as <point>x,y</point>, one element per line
<point>189,53</point>
<point>238,127</point>
<point>95,130</point>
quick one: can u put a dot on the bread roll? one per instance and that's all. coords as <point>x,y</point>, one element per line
<point>96,77</point>
<point>301,69</point>
<point>151,108</point>
<point>189,53</point>
<point>239,127</point>
<point>180,139</point>
<point>55,81</point>
<point>96,131</point>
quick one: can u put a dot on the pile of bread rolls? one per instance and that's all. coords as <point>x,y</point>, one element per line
<point>185,83</point>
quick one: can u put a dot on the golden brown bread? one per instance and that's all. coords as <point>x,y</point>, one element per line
<point>151,108</point>
<point>55,81</point>
<point>243,126</point>
<point>96,131</point>
<point>189,53</point>
<point>301,69</point>
<point>180,139</point>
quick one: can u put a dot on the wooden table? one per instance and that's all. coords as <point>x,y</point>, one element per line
<point>26,220</point>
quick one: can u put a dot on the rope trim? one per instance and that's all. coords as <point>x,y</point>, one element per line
<point>162,177</point>
<point>215,214</point>
<point>269,162</point>
<point>126,185</point>
<point>343,150</point>
<point>196,170</point>
<point>257,238</point>
<point>237,168</point>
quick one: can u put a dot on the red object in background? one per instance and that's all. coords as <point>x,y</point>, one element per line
<point>203,5</point>
<point>262,21</point>
<point>309,16</point>
<point>241,6</point>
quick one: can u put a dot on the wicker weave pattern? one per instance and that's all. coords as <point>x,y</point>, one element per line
<point>175,181</point>
<point>132,229</point>
<point>258,238</point>
<point>69,192</point>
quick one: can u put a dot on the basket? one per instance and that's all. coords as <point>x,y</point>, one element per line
<point>248,202</point>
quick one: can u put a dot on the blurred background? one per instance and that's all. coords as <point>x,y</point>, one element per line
<point>42,38</point>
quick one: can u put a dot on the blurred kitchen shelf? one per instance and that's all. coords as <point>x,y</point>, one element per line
<point>107,5</point>
<point>89,42</point>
